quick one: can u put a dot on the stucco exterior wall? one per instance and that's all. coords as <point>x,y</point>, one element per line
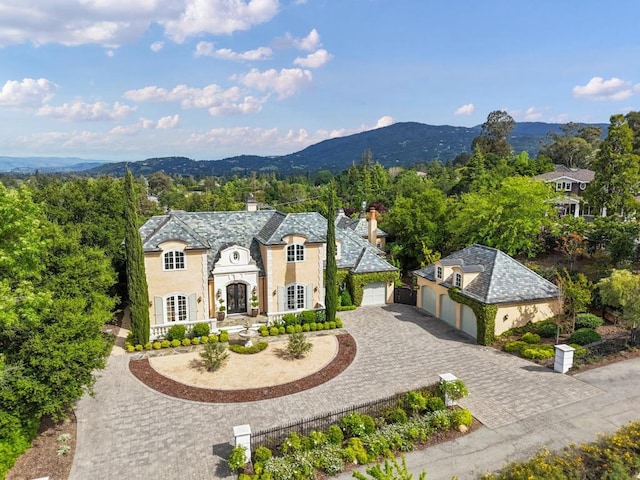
<point>188,281</point>
<point>517,315</point>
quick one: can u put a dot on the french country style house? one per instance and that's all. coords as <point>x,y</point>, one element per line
<point>197,262</point>
<point>483,292</point>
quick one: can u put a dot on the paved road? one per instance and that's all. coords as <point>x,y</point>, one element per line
<point>128,430</point>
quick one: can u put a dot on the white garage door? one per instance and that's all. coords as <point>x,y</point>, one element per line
<point>428,300</point>
<point>468,323</point>
<point>448,310</point>
<point>374,294</point>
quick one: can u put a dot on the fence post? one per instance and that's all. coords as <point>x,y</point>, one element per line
<point>446,378</point>
<point>242,434</point>
<point>564,358</point>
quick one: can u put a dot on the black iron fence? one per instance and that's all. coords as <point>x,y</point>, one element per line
<point>406,296</point>
<point>272,438</point>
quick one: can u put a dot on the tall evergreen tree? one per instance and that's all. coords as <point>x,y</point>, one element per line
<point>331,271</point>
<point>136,277</point>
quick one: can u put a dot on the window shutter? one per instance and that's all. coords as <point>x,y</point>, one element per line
<point>192,305</point>
<point>282,296</point>
<point>158,310</point>
<point>309,296</point>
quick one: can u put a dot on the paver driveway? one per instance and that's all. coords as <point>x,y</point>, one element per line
<point>129,431</point>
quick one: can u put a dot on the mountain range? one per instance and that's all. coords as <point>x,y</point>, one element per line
<point>400,144</point>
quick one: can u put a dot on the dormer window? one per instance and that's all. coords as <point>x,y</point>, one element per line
<point>174,260</point>
<point>295,253</point>
<point>439,272</point>
<point>562,185</point>
<point>457,280</point>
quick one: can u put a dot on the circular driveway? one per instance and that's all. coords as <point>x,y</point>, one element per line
<point>130,431</point>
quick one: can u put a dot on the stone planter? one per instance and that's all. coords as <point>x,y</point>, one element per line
<point>254,312</point>
<point>220,316</point>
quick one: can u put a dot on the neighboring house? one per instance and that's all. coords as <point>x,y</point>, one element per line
<point>485,277</point>
<point>570,184</point>
<point>195,262</point>
<point>365,227</point>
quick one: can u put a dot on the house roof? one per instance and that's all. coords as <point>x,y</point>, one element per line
<point>359,225</point>
<point>500,278</point>
<point>581,175</point>
<point>218,230</point>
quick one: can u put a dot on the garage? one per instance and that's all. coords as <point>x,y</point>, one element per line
<point>448,310</point>
<point>468,322</point>
<point>428,300</point>
<point>374,294</point>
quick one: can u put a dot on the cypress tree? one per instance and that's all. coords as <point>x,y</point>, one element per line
<point>136,276</point>
<point>331,269</point>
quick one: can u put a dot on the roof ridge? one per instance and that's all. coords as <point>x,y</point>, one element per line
<point>162,223</point>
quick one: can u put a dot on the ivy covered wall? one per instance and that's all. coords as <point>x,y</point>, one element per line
<point>485,316</point>
<point>356,282</point>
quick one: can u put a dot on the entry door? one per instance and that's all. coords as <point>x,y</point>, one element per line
<point>236,298</point>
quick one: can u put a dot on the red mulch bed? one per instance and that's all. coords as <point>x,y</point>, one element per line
<point>143,371</point>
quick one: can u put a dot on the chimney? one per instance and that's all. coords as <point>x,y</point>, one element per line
<point>251,205</point>
<point>373,227</point>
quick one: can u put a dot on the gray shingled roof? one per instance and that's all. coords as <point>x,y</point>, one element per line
<point>219,230</point>
<point>501,279</point>
<point>581,175</point>
<point>359,225</point>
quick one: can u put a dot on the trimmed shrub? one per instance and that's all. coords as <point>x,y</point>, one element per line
<point>584,336</point>
<point>313,326</point>
<point>514,347</point>
<point>148,346</point>
<point>588,320</point>
<point>238,457</point>
<point>461,417</point>
<point>213,338</point>
<point>441,420</point>
<point>204,340</point>
<point>214,356</point>
<point>186,342</point>
<point>339,323</point>
<point>435,403</point>
<point>357,424</point>
<point>176,332</point>
<point>538,352</point>
<point>262,454</point>
<point>530,338</point>
<point>327,325</point>
<point>200,329</point>
<point>165,344</point>
<point>292,443</point>
<point>335,435</point>
<point>273,331</point>
<point>157,345</point>
<point>298,329</point>
<point>139,348</point>
<point>396,415</point>
<point>264,331</point>
<point>547,328</point>
<point>130,348</point>
<point>321,316</point>
<point>332,325</point>
<point>306,327</point>
<point>255,348</point>
<point>224,336</point>
<point>195,341</point>
<point>289,319</point>
<point>176,343</point>
<point>416,402</point>
<point>282,330</point>
<point>308,316</point>
<point>345,298</point>
<point>289,329</point>
<point>355,452</point>
<point>580,351</point>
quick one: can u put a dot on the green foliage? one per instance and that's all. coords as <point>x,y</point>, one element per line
<point>238,457</point>
<point>290,329</point>
<point>485,316</point>
<point>307,316</point>
<point>538,352</point>
<point>455,389</point>
<point>255,348</point>
<point>514,347</point>
<point>441,420</point>
<point>357,424</point>
<point>530,337</point>
<point>584,336</point>
<point>461,417</point>
<point>273,331</point>
<point>331,268</point>
<point>358,280</point>
<point>579,351</point>
<point>335,435</point>
<point>204,339</point>
<point>165,344</point>
<point>213,338</point>
<point>345,299</point>
<point>339,323</point>
<point>397,415</point>
<point>576,293</point>
<point>214,356</point>
<point>157,345</point>
<point>435,403</point>
<point>176,332</point>
<point>298,346</point>
<point>186,342</point>
<point>293,443</point>
<point>588,320</point>
<point>262,454</point>
<point>547,328</point>
<point>290,319</point>
<point>622,290</point>
<point>282,330</point>
<point>224,336</point>
<point>136,276</point>
<point>196,341</point>
<point>200,329</point>
<point>176,343</point>
<point>416,402</point>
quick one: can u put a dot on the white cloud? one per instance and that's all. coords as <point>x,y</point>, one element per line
<point>532,114</point>
<point>467,109</point>
<point>219,17</point>
<point>314,60</point>
<point>156,46</point>
<point>205,49</point>
<point>218,100</point>
<point>81,111</point>
<point>309,43</point>
<point>385,121</point>
<point>112,23</point>
<point>614,89</point>
<point>168,122</point>
<point>27,93</point>
<point>285,83</point>
<point>109,53</point>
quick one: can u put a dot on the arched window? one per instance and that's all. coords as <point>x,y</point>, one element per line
<point>458,280</point>
<point>295,297</point>
<point>174,260</point>
<point>295,253</point>
<point>176,308</point>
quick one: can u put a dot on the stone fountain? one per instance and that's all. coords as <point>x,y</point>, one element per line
<point>247,334</point>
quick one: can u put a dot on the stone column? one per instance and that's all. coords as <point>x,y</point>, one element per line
<point>242,434</point>
<point>445,378</point>
<point>564,358</point>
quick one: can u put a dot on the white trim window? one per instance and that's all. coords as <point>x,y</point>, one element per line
<point>295,253</point>
<point>439,272</point>
<point>176,308</point>
<point>457,279</point>
<point>295,297</point>
<point>174,260</point>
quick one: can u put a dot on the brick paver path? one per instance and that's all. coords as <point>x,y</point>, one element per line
<point>130,431</point>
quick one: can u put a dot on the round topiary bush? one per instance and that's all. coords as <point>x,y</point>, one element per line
<point>547,329</point>
<point>584,336</point>
<point>200,329</point>
<point>273,331</point>
<point>335,435</point>
<point>157,345</point>
<point>538,352</point>
<point>213,338</point>
<point>530,338</point>
<point>435,403</point>
<point>224,336</point>
<point>204,340</point>
<point>339,323</point>
<point>176,343</point>
<point>195,341</point>
<point>579,351</point>
<point>262,454</point>
<point>282,330</point>
<point>290,329</point>
<point>588,320</point>
<point>186,342</point>
<point>177,332</point>
<point>165,343</point>
<point>313,326</point>
<point>515,346</point>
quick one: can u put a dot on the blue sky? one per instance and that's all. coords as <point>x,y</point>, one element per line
<point>208,79</point>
